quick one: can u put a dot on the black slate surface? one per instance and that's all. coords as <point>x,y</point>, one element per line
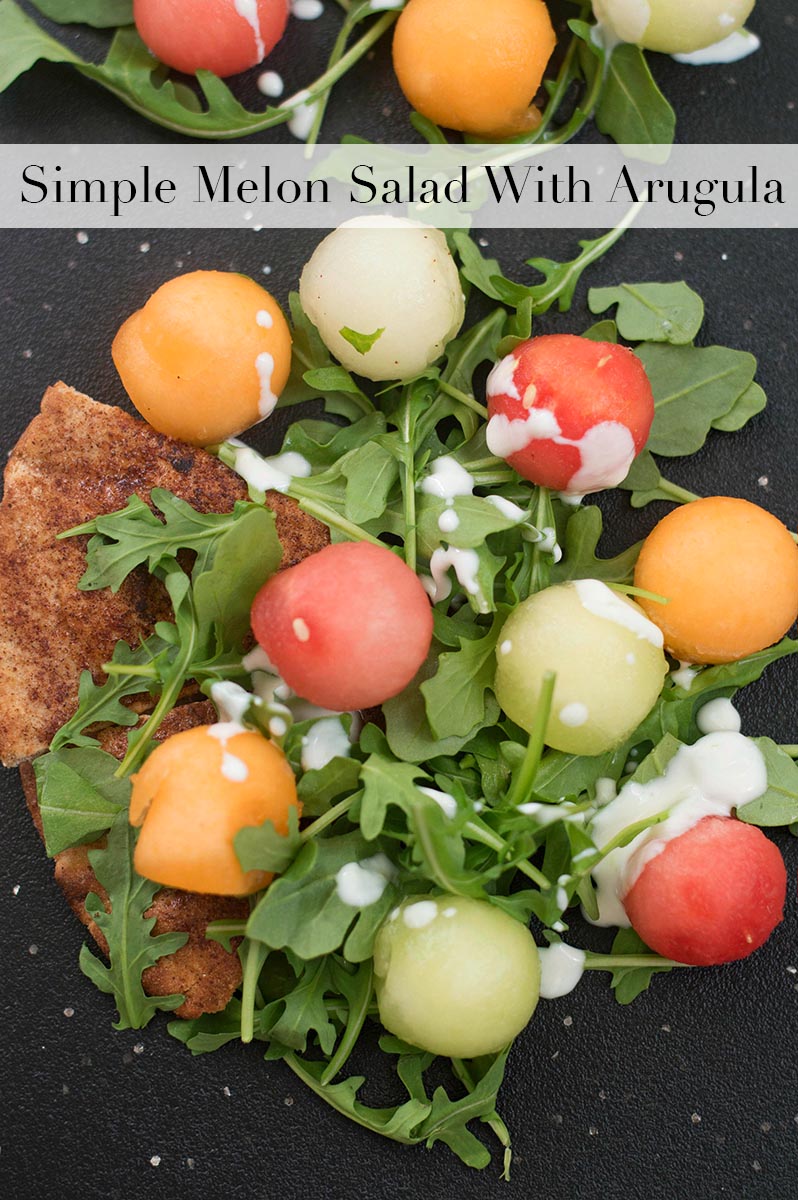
<point>750,101</point>
<point>690,1093</point>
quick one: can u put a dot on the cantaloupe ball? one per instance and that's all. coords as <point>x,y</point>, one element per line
<point>730,572</point>
<point>193,795</point>
<point>673,26</point>
<point>206,357</point>
<point>472,65</point>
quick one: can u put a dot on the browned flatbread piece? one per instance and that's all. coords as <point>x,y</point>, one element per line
<point>77,460</point>
<point>202,971</point>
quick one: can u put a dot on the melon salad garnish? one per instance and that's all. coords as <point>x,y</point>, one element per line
<point>457,731</point>
<point>494,71</point>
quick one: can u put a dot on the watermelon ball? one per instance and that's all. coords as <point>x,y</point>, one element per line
<point>712,895</point>
<point>223,36</point>
<point>569,413</point>
<point>347,628</point>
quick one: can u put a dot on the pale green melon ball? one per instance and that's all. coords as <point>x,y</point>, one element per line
<point>673,26</point>
<point>607,657</point>
<point>455,976</point>
<point>384,273</point>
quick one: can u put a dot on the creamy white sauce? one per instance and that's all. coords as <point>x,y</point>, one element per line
<point>513,512</point>
<point>264,365</point>
<point>270,84</point>
<point>268,474</point>
<point>248,9</point>
<point>730,49</point>
<point>448,521</point>
<point>264,318</point>
<point>718,716</point>
<point>359,884</point>
<point>547,814</point>
<point>385,5</point>
<point>306,10</point>
<point>603,602</point>
<point>466,568</point>
<point>623,20</point>
<point>232,702</point>
<point>573,715</point>
<point>301,121</point>
<point>606,790</point>
<point>561,968</point>
<point>505,647</point>
<point>447,479</point>
<point>422,913</point>
<point>562,894</point>
<point>684,677</point>
<point>278,727</point>
<point>501,381</point>
<point>444,801</point>
<point>233,768</point>
<point>547,542</point>
<point>718,774</point>
<point>325,740</point>
<point>300,628</point>
<point>258,660</point>
<point>505,436</point>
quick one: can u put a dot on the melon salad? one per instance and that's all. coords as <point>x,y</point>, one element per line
<point>457,737</point>
<point>535,84</point>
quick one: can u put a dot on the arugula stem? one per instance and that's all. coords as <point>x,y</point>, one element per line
<point>354,1024</point>
<point>492,1120</point>
<point>254,955</point>
<point>611,962</point>
<point>626,589</point>
<point>465,399</point>
<point>330,517</point>
<point>328,818</point>
<point>791,750</point>
<point>129,669</point>
<point>484,835</point>
<point>675,492</point>
<point>335,55</point>
<point>331,1097</point>
<point>523,781</point>
<point>565,77</point>
<point>408,472</point>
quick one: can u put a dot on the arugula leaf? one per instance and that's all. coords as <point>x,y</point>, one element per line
<point>244,556</point>
<point>314,373</point>
<point>631,109</point>
<point>102,14</point>
<point>362,342</point>
<point>751,402</point>
<point>79,796</point>
<point>305,1011</point>
<point>317,789</point>
<point>693,387</point>
<point>23,43</point>
<point>371,474</point>
<point>629,982</point>
<point>580,561</point>
<point>132,947</point>
<point>733,675</point>
<point>455,695</point>
<point>385,784</point>
<point>779,804</point>
<point>262,848</point>
<point>652,312</point>
<point>477,519</point>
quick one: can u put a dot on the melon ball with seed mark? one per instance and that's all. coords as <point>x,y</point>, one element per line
<point>607,657</point>
<point>730,571</point>
<point>206,357</point>
<point>673,26</point>
<point>347,628</point>
<point>193,795</point>
<point>712,895</point>
<point>473,65</point>
<point>455,976</point>
<point>392,287</point>
<point>223,36</point>
<point>569,413</point>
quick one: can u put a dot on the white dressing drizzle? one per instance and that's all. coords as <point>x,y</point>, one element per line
<point>684,677</point>
<point>268,474</point>
<point>501,381</point>
<point>422,913</point>
<point>720,772</point>
<point>466,568</point>
<point>270,84</point>
<point>513,512</point>
<point>448,521</point>
<point>325,740</point>
<point>730,49</point>
<point>718,716</point>
<point>603,602</point>
<point>360,884</point>
<point>574,714</point>
<point>233,768</point>
<point>561,968</point>
<point>264,365</point>
<point>444,801</point>
<point>248,9</point>
<point>232,702</point>
<point>306,10</point>
<point>264,318</point>
<point>447,479</point>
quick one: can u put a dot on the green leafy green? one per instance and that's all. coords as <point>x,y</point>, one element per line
<point>580,561</point>
<point>652,312</point>
<point>79,796</point>
<point>132,946</point>
<point>244,557</point>
<point>102,14</point>
<point>629,982</point>
<point>779,804</point>
<point>362,342</point>
<point>455,695</point>
<point>632,110</point>
<point>262,848</point>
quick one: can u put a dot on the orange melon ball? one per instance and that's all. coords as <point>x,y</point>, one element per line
<point>730,572</point>
<point>206,357</point>
<point>474,66</point>
<point>192,796</point>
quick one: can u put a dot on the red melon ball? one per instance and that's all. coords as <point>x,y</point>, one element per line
<point>347,628</point>
<point>569,413</point>
<point>713,895</point>
<point>223,36</point>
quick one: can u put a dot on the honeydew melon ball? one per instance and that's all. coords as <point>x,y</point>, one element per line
<point>673,26</point>
<point>455,976</point>
<point>388,274</point>
<point>607,657</point>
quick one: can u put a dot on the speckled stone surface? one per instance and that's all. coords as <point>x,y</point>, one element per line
<point>692,1092</point>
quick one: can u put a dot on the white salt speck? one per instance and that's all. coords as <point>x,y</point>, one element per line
<point>695,1118</point>
<point>145,249</point>
<point>33,950</point>
<point>138,1048</point>
<point>450,912</point>
<point>484,242</point>
<point>69,1012</point>
<point>506,646</point>
<point>567,1022</point>
<point>82,238</point>
<point>763,481</point>
<point>27,354</point>
<point>15,890</point>
<point>756,1165</point>
<point>724,258</point>
<point>64,1089</point>
<point>422,913</point>
<point>593,1131</point>
<point>766,1126</point>
<point>792,970</point>
<point>665,1028</point>
<point>301,631</point>
<point>190,1164</point>
<point>266,270</point>
<point>226,1091</point>
<point>289,1100</point>
<point>155,1161</point>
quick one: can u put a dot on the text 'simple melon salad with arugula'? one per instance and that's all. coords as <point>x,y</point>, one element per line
<point>492,70</point>
<point>451,725</point>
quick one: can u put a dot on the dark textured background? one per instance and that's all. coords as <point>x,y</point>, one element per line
<point>691,1092</point>
<point>750,101</point>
